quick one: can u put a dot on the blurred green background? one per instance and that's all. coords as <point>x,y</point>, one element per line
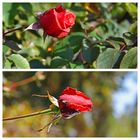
<point>114,95</point>
<point>115,23</point>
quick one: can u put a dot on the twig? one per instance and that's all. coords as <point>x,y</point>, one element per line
<point>42,96</point>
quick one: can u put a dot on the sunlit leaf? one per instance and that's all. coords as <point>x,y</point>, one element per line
<point>19,61</point>
<point>133,27</point>
<point>5,49</point>
<point>130,59</point>
<point>7,64</point>
<point>76,65</point>
<point>131,9</point>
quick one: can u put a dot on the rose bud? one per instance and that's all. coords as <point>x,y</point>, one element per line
<point>57,22</point>
<point>73,102</point>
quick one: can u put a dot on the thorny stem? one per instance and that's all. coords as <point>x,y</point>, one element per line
<point>13,30</point>
<point>10,31</point>
<point>29,115</point>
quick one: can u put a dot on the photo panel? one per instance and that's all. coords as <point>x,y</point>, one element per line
<point>70,35</point>
<point>70,104</point>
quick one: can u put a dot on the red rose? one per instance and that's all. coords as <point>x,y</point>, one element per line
<point>72,102</point>
<point>57,22</point>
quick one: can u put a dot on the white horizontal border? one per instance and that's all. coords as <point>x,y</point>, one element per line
<point>70,70</point>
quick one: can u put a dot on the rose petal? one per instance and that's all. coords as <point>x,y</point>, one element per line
<point>72,101</point>
<point>57,21</point>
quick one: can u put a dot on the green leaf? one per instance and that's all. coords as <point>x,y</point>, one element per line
<point>11,12</point>
<point>130,38</point>
<point>90,54</point>
<point>36,64</point>
<point>58,62</point>
<point>27,7</point>
<point>6,8</point>
<point>94,35</point>
<point>7,64</point>
<point>130,59</point>
<point>79,11</point>
<point>12,44</point>
<point>66,53</point>
<point>74,41</point>
<point>5,49</point>
<point>131,9</point>
<point>76,65</point>
<point>19,61</point>
<point>30,51</point>
<point>108,58</point>
<point>133,27</point>
<point>118,11</point>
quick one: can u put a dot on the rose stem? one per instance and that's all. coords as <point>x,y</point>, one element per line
<point>12,30</point>
<point>29,115</point>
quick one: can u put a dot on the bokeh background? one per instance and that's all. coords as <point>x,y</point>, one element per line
<point>114,95</point>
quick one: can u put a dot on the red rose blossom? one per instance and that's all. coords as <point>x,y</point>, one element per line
<point>72,102</point>
<point>57,21</point>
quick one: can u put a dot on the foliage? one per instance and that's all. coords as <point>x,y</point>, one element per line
<point>99,86</point>
<point>104,36</point>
